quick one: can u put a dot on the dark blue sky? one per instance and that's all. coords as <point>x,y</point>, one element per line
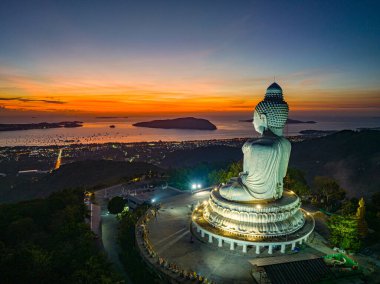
<point>321,46</point>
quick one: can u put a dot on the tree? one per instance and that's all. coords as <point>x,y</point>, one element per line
<point>295,181</point>
<point>116,205</point>
<point>328,189</point>
<point>376,200</point>
<point>184,177</point>
<point>47,240</point>
<point>224,175</point>
<point>349,207</point>
<point>344,232</point>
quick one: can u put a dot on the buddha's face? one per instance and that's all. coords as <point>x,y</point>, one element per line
<point>259,122</point>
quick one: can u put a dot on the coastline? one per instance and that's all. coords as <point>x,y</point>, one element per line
<point>99,132</point>
<point>42,125</point>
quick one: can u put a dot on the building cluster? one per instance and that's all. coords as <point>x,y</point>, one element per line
<point>44,158</point>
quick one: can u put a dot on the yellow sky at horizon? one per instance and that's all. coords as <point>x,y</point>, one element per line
<point>145,95</point>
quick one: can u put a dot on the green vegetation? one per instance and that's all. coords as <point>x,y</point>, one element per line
<point>204,173</point>
<point>130,257</point>
<point>349,207</point>
<point>295,180</point>
<point>344,232</point>
<point>372,217</point>
<point>47,241</point>
<point>328,191</point>
<point>224,175</point>
<point>183,177</point>
<point>116,205</point>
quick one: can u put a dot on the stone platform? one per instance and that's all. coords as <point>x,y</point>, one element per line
<point>171,238</point>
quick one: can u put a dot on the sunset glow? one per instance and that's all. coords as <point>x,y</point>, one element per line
<point>69,62</point>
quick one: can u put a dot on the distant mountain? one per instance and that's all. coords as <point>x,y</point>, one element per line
<point>179,123</point>
<point>289,121</point>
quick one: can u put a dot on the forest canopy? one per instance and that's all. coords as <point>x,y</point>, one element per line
<point>47,241</point>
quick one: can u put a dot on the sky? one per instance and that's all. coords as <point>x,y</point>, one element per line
<point>208,56</point>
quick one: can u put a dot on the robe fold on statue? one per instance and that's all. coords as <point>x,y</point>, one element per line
<point>264,167</point>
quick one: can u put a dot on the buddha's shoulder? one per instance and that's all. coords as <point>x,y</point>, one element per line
<point>266,141</point>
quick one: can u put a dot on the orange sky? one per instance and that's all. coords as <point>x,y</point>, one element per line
<point>100,94</point>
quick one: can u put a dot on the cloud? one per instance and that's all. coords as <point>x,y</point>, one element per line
<point>20,99</point>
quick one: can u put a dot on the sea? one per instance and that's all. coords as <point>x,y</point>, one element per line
<point>98,130</point>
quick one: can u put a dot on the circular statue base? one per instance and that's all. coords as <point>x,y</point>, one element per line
<point>269,225</point>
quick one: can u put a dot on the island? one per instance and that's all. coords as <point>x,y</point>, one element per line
<point>289,121</point>
<point>179,123</point>
<point>110,117</point>
<point>368,128</point>
<point>317,133</point>
<point>42,125</point>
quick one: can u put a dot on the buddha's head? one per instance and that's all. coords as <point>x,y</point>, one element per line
<point>272,112</point>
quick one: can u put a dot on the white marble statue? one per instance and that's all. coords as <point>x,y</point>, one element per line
<point>265,159</point>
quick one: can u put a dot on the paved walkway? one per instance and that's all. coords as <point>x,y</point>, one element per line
<point>109,224</point>
<point>109,228</point>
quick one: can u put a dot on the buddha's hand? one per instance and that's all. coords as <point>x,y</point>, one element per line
<point>243,176</point>
<point>243,173</point>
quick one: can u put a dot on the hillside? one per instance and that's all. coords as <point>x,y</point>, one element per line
<point>85,173</point>
<point>353,158</point>
<point>211,154</point>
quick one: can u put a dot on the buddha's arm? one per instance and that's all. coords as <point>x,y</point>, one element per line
<point>286,148</point>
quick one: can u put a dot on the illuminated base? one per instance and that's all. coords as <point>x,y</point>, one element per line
<point>276,218</point>
<point>277,223</point>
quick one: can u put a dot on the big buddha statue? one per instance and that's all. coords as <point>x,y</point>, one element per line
<point>265,159</point>
<point>254,204</point>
